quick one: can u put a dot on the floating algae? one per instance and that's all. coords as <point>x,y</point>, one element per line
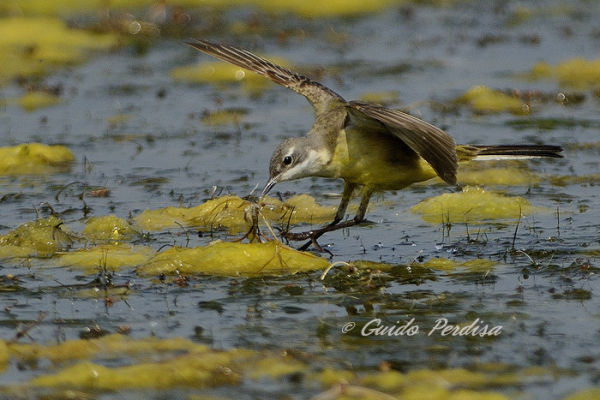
<point>34,100</point>
<point>216,72</point>
<point>493,174</point>
<point>34,46</point>
<point>576,73</point>
<point>445,264</point>
<point>39,238</point>
<point>231,213</point>
<point>472,205</point>
<point>233,259</point>
<point>111,257</point>
<point>485,100</point>
<point>304,8</point>
<point>34,158</point>
<point>197,367</point>
<point>108,228</point>
<point>163,364</point>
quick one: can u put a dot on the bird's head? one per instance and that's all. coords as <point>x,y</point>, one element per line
<point>293,159</point>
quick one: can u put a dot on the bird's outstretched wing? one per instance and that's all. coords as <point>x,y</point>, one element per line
<point>434,145</point>
<point>317,94</point>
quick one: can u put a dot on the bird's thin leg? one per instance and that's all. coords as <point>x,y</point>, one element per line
<point>339,215</point>
<point>360,217</point>
<point>346,196</point>
<point>364,203</point>
<point>335,225</point>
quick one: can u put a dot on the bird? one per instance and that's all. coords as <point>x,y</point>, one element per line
<point>367,145</point>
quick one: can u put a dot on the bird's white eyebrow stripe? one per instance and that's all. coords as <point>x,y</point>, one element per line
<point>289,153</point>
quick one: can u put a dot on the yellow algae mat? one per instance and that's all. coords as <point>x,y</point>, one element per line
<point>220,73</point>
<point>304,8</point>
<point>47,238</point>
<point>499,173</point>
<point>577,73</point>
<point>31,47</point>
<point>34,158</point>
<point>107,239</point>
<point>472,205</point>
<point>233,259</point>
<point>162,364</point>
<point>234,214</point>
<point>39,238</point>
<point>219,258</point>
<point>109,257</point>
<point>482,99</point>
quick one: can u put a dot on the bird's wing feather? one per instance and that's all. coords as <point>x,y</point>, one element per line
<point>317,94</point>
<point>434,145</point>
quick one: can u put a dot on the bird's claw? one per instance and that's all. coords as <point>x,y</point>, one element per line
<point>314,234</point>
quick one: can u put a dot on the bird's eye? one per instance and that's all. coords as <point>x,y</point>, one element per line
<point>287,160</point>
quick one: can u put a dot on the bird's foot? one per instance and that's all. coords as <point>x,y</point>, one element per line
<point>314,234</point>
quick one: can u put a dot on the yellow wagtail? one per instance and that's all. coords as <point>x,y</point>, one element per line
<point>365,144</point>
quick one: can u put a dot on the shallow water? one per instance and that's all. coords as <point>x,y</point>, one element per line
<point>544,294</point>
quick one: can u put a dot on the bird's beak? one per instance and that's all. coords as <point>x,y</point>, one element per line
<point>269,186</point>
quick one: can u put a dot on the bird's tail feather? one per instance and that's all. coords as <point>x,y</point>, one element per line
<point>504,152</point>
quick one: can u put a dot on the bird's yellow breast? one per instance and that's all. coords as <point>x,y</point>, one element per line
<point>376,159</point>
